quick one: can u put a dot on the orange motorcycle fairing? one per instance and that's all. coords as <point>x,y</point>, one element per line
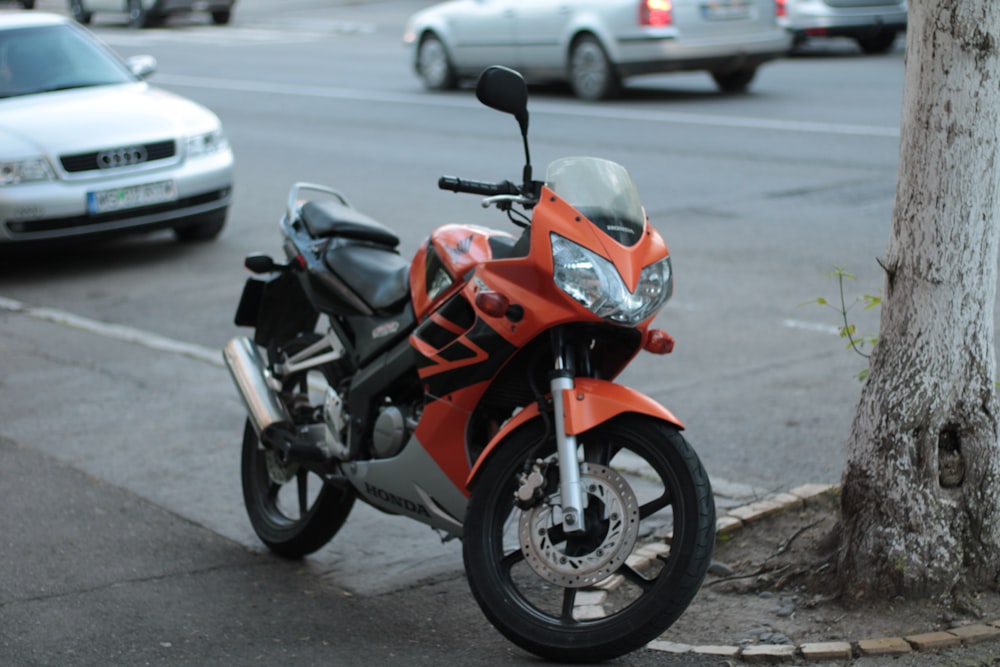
<point>590,403</point>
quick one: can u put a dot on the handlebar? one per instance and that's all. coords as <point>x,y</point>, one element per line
<point>477,187</point>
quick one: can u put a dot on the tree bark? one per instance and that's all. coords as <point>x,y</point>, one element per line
<point>920,509</point>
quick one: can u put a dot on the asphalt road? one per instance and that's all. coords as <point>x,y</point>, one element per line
<point>123,532</point>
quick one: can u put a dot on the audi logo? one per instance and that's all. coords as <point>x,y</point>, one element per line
<point>121,157</point>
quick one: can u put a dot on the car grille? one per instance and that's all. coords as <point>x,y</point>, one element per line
<point>119,156</point>
<point>53,224</point>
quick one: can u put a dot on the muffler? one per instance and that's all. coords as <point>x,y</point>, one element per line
<point>267,412</point>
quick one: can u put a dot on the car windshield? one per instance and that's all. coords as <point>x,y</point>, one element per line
<point>601,190</point>
<point>47,58</point>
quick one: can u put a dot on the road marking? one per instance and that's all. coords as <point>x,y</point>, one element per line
<point>115,331</point>
<point>804,325</point>
<point>579,110</point>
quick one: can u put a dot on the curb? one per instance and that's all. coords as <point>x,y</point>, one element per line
<point>736,518</point>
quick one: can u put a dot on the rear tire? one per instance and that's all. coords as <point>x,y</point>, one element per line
<point>221,17</point>
<point>434,65</point>
<point>880,42</point>
<point>592,76</point>
<point>525,572</point>
<point>139,17</point>
<point>737,81</point>
<point>80,15</point>
<point>293,511</point>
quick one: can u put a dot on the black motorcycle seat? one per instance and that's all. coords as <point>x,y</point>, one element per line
<point>376,274</point>
<point>326,218</point>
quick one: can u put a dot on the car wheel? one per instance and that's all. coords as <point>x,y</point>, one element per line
<point>138,16</point>
<point>221,17</point>
<point>736,81</point>
<point>204,229</point>
<point>880,42</point>
<point>28,4</point>
<point>592,76</point>
<point>80,15</point>
<point>434,66</point>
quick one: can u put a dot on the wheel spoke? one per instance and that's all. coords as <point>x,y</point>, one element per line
<point>569,599</point>
<point>636,578</point>
<point>510,560</point>
<point>655,505</point>
<point>303,488</point>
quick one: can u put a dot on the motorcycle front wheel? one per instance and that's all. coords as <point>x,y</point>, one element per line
<point>292,510</point>
<point>591,596</point>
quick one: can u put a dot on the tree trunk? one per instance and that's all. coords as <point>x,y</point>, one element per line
<point>921,490</point>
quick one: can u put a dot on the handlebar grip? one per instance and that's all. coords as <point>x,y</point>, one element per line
<point>477,187</point>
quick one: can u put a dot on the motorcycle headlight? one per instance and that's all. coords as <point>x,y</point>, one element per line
<point>595,283</point>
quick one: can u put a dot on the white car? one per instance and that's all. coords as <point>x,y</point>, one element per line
<point>146,13</point>
<point>596,44</point>
<point>88,148</point>
<point>873,24</point>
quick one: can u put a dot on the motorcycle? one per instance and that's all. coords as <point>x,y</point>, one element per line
<point>472,389</point>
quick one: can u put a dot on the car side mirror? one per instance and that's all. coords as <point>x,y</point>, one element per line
<point>142,66</point>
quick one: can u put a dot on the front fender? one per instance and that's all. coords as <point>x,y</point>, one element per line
<point>590,403</point>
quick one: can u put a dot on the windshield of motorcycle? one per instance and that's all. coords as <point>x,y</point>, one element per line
<point>601,190</point>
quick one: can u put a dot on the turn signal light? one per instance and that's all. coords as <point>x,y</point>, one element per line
<point>658,342</point>
<point>493,304</point>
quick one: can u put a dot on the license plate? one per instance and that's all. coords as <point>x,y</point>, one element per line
<point>726,10</point>
<point>105,201</point>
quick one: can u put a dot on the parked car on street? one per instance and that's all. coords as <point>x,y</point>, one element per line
<point>873,24</point>
<point>147,13</point>
<point>595,45</point>
<point>88,148</point>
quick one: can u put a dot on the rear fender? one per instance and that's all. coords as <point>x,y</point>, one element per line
<point>590,403</point>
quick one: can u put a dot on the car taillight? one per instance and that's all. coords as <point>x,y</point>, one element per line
<point>655,12</point>
<point>781,8</point>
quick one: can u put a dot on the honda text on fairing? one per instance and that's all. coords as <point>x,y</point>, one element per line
<point>472,389</point>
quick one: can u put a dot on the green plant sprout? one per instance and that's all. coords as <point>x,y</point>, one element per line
<point>847,329</point>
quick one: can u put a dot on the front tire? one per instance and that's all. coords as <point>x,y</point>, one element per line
<point>292,510</point>
<point>204,229</point>
<point>527,574</point>
<point>138,16</point>
<point>80,14</point>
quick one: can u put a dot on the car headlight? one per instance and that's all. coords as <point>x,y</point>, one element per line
<point>25,171</point>
<point>595,283</point>
<point>206,143</point>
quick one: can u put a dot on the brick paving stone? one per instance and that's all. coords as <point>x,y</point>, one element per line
<point>826,651</point>
<point>718,651</point>
<point>669,647</point>
<point>884,646</point>
<point>807,491</point>
<point>929,641</point>
<point>766,507</point>
<point>769,653</point>
<point>725,525</point>
<point>970,634</point>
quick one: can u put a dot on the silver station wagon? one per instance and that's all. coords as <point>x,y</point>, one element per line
<point>148,13</point>
<point>596,45</point>
<point>87,148</point>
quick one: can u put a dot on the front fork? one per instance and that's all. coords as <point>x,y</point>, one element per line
<point>570,490</point>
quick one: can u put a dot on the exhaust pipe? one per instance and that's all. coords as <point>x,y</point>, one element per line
<point>249,372</point>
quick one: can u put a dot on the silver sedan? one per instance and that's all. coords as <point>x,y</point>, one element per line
<point>596,44</point>
<point>88,148</point>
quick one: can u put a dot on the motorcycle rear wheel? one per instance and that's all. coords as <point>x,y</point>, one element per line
<point>577,598</point>
<point>292,510</point>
